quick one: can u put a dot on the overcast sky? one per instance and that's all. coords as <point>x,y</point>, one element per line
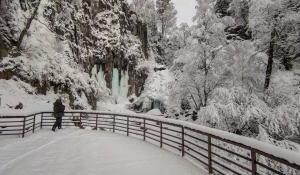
<point>186,10</point>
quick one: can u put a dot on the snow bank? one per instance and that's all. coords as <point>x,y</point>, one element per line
<point>155,112</point>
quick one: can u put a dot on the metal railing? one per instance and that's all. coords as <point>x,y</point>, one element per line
<point>215,154</point>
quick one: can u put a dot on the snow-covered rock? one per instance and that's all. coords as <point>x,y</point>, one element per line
<point>156,91</point>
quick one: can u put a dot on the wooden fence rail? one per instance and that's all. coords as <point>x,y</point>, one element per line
<point>217,155</point>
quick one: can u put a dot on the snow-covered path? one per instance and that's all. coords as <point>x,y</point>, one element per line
<point>74,151</point>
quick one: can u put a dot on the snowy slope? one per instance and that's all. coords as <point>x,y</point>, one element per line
<point>14,92</point>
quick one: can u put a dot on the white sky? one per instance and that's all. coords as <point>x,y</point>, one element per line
<point>185,10</point>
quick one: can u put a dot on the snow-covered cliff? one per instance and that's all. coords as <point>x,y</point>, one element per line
<point>73,48</point>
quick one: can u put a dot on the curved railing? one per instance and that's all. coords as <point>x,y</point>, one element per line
<point>215,151</point>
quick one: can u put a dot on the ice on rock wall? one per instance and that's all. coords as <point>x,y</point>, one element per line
<point>158,105</point>
<point>119,86</point>
<point>99,76</point>
<point>124,84</point>
<point>115,83</point>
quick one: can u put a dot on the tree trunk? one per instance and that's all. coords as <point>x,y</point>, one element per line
<point>270,60</point>
<point>162,27</point>
<point>19,42</point>
<point>204,103</point>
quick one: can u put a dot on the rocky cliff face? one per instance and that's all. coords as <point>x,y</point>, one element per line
<point>66,41</point>
<point>239,11</point>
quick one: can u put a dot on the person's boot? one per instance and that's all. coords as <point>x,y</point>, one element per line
<point>53,128</point>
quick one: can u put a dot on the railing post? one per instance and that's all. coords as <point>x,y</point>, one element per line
<point>80,120</point>
<point>23,134</point>
<point>144,129</point>
<point>33,124</point>
<point>114,120</point>
<point>42,120</point>
<point>182,141</point>
<point>161,132</point>
<point>96,121</point>
<point>209,156</point>
<point>127,126</point>
<point>253,159</point>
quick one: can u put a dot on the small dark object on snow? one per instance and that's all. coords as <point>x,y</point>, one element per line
<point>142,128</point>
<point>9,106</point>
<point>19,106</point>
<point>16,54</point>
<point>138,123</point>
<point>131,100</point>
<point>102,129</point>
<point>160,68</point>
<point>195,116</point>
<point>186,115</point>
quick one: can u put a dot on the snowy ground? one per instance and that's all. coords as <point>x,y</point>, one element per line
<point>74,151</point>
<point>13,92</point>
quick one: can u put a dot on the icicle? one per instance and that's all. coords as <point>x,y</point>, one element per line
<point>156,104</point>
<point>101,78</point>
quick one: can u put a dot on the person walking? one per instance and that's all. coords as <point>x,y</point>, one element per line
<point>59,110</point>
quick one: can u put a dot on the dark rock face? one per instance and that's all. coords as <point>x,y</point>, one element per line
<point>238,33</point>
<point>6,75</point>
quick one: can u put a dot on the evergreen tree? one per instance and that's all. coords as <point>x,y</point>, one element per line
<point>166,16</point>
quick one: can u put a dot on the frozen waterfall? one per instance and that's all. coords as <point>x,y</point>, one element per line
<point>115,83</point>
<point>124,84</point>
<point>119,82</point>
<point>99,76</point>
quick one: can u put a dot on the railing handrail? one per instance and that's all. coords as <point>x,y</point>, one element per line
<point>287,157</point>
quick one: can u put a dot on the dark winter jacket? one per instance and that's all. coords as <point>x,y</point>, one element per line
<point>58,108</point>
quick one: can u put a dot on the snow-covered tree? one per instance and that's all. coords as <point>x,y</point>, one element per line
<point>184,28</point>
<point>202,64</point>
<point>166,15</point>
<point>146,10</point>
<point>275,27</point>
